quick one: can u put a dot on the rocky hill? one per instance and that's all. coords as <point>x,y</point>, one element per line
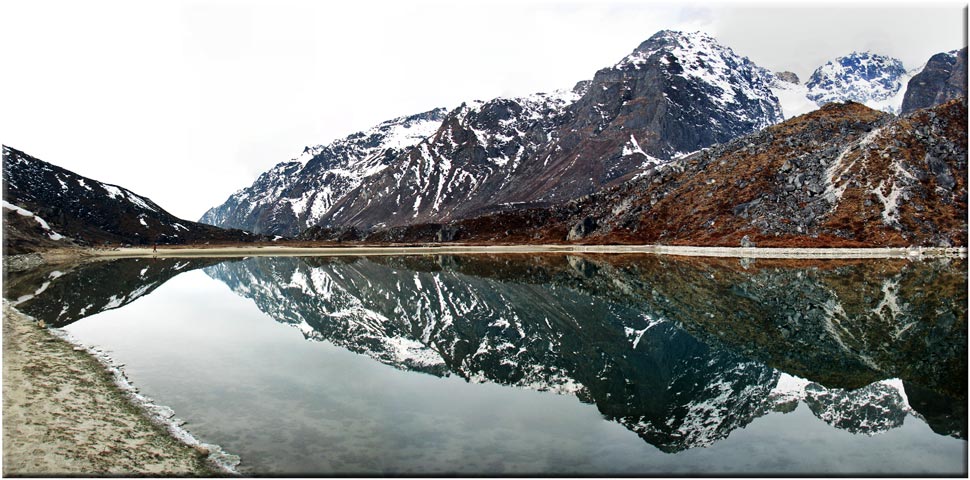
<point>845,175</point>
<point>70,209</point>
<point>944,78</point>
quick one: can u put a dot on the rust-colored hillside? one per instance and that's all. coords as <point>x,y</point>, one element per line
<point>842,176</point>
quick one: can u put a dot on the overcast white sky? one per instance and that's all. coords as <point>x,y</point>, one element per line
<point>186,102</point>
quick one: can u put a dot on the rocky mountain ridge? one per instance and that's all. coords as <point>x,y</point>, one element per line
<point>674,94</point>
<point>844,175</point>
<point>73,210</point>
<point>295,195</point>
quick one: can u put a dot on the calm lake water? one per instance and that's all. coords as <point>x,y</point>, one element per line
<point>548,364</point>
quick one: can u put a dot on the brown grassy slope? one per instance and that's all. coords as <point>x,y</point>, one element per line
<point>825,179</point>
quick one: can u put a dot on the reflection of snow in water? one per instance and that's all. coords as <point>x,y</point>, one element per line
<point>871,410</point>
<point>567,338</point>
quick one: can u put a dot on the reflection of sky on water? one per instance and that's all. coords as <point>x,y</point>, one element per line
<point>287,405</point>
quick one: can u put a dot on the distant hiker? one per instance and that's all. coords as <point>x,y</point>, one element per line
<point>155,247</point>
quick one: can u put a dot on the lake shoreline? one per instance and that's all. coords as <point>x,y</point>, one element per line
<point>68,413</point>
<point>378,250</point>
<point>707,287</point>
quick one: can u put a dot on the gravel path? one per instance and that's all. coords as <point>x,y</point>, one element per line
<point>734,252</point>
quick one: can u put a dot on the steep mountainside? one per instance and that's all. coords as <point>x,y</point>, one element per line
<point>474,154</point>
<point>844,175</point>
<point>942,79</point>
<point>294,195</point>
<point>676,93</point>
<point>88,212</point>
<point>875,80</point>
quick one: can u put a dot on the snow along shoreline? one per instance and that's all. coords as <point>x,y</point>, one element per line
<point>730,252</point>
<point>104,427</point>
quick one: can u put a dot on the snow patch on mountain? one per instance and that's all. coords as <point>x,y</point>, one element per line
<point>27,213</point>
<point>633,148</point>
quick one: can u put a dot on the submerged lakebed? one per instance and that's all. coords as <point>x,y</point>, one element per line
<point>523,364</point>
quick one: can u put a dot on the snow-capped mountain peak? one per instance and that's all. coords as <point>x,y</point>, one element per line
<point>878,81</point>
<point>671,41</point>
<point>675,93</point>
<point>293,195</point>
<point>700,58</point>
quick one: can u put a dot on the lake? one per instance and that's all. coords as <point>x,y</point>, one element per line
<point>538,364</point>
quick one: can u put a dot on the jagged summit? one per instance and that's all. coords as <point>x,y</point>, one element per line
<point>734,80</point>
<point>307,154</point>
<point>875,80</point>
<point>668,40</point>
<point>789,77</point>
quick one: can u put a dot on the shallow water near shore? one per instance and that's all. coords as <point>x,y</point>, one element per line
<point>538,364</point>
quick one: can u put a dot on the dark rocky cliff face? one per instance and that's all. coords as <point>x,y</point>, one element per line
<point>789,77</point>
<point>89,212</point>
<point>943,79</point>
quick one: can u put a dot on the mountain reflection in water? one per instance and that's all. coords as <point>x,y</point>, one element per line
<point>680,351</point>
